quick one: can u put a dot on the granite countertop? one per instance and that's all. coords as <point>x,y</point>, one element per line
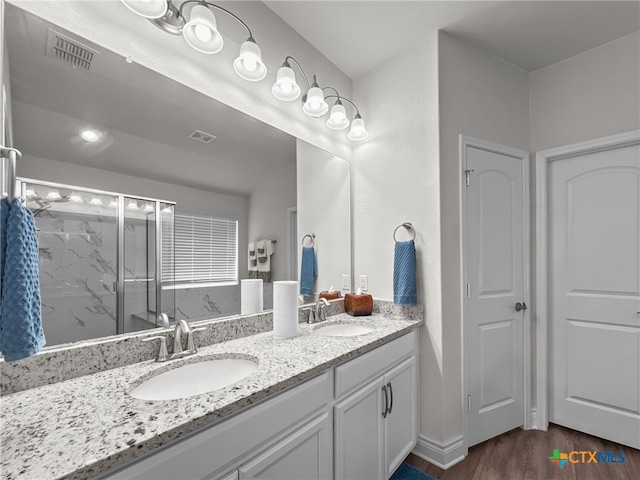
<point>80,428</point>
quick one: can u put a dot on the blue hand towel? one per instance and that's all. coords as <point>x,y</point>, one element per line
<point>308,270</point>
<point>404,274</point>
<point>21,333</point>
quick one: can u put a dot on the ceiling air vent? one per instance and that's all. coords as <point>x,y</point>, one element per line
<point>202,137</point>
<point>69,51</point>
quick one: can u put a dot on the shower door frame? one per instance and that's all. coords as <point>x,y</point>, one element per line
<point>119,285</point>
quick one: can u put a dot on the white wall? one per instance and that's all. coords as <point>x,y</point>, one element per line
<point>409,171</point>
<point>323,209</point>
<point>488,98</point>
<point>396,179</point>
<point>268,206</point>
<point>594,94</point>
<point>110,24</point>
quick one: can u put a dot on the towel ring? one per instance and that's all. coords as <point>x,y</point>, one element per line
<point>312,236</point>
<point>406,225</point>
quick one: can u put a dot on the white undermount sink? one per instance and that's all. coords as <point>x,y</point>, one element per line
<point>346,329</point>
<point>195,379</point>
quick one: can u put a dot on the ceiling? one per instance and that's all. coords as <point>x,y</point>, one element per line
<point>144,118</point>
<point>357,36</point>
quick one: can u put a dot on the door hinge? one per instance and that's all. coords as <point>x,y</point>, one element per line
<point>467,174</point>
<point>468,290</point>
<point>469,403</point>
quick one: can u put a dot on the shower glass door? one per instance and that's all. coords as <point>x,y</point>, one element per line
<point>106,260</point>
<point>143,252</point>
<point>78,254</point>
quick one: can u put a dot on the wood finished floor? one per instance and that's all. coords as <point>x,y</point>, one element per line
<point>524,454</point>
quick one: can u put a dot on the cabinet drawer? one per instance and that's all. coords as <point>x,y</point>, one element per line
<point>374,363</point>
<point>210,452</point>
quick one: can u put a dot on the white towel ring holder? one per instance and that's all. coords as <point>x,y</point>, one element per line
<point>406,225</point>
<point>311,237</point>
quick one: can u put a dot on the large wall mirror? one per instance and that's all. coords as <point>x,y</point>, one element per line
<point>119,161</point>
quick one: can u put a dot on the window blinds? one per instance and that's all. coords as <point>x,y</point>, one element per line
<point>205,250</point>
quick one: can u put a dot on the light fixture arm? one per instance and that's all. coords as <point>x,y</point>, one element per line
<point>339,97</point>
<point>304,75</point>
<point>213,5</point>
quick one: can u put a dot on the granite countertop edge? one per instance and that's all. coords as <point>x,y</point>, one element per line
<point>101,435</point>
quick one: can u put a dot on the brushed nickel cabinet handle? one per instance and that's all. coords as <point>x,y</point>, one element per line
<point>386,402</point>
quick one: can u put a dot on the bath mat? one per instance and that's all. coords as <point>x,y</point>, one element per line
<point>407,472</point>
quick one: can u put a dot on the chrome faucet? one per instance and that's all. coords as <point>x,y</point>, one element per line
<point>163,319</point>
<point>320,314</point>
<point>183,327</point>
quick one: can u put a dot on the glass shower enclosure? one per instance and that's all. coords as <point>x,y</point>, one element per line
<point>101,260</point>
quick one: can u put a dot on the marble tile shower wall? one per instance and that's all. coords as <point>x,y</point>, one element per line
<point>78,269</point>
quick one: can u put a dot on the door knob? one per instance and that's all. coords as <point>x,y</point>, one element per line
<point>521,306</point>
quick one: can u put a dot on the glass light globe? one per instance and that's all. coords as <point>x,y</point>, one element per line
<point>249,63</point>
<point>285,88</point>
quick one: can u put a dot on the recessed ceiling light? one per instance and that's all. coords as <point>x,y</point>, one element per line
<point>90,135</point>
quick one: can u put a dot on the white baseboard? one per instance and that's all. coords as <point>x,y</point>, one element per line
<point>441,454</point>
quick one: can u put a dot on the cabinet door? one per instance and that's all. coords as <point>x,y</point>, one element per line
<point>401,424</point>
<point>303,455</point>
<point>359,434</point>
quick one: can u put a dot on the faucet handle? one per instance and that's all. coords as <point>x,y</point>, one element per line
<point>191,348</point>
<point>163,354</point>
<point>311,318</point>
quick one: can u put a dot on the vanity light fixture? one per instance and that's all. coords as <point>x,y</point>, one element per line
<point>148,208</point>
<point>132,205</point>
<point>314,102</point>
<point>338,119</point>
<point>113,203</point>
<point>200,30</point>
<point>196,22</point>
<point>147,8</point>
<point>97,201</point>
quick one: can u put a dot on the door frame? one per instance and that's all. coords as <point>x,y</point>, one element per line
<point>543,159</point>
<point>468,141</point>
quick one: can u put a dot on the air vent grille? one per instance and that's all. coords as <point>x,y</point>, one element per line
<point>202,137</point>
<point>69,51</point>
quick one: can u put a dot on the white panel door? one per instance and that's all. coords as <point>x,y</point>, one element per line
<point>495,271</point>
<point>594,293</point>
